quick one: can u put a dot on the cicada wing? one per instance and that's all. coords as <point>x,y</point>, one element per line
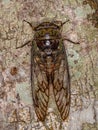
<point>61,86</point>
<point>40,88</point>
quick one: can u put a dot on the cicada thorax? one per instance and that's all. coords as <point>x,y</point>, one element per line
<point>50,68</point>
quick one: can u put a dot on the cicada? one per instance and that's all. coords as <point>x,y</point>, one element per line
<point>49,66</point>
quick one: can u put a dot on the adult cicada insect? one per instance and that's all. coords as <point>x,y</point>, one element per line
<point>49,67</point>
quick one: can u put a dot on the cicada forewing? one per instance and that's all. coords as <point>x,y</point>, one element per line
<point>39,85</point>
<point>61,84</point>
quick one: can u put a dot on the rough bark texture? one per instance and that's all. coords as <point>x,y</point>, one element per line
<point>16,111</point>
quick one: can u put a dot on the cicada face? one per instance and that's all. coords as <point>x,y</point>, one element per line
<point>47,36</point>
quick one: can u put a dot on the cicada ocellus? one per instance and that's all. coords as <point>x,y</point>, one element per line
<point>49,66</point>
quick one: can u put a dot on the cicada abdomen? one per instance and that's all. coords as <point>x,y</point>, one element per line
<point>49,66</point>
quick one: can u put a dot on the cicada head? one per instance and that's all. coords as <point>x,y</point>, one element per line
<point>47,37</point>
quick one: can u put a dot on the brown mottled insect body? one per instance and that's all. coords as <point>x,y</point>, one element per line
<point>53,69</point>
<point>49,66</point>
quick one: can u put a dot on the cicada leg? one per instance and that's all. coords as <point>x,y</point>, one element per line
<point>23,45</point>
<point>71,41</point>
